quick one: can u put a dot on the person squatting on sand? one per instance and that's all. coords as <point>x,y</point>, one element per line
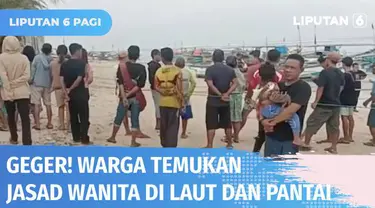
<point>131,78</point>
<point>15,91</point>
<point>72,75</point>
<point>221,82</point>
<point>153,66</point>
<point>235,102</point>
<point>188,86</point>
<point>168,82</point>
<point>61,103</point>
<point>40,85</point>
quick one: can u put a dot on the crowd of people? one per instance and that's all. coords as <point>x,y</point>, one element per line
<point>272,89</point>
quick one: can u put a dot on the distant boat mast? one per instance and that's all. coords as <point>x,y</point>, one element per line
<point>299,38</point>
<point>315,42</point>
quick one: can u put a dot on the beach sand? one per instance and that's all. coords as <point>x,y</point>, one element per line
<point>103,103</point>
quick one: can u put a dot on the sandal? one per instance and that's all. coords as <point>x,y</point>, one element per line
<point>112,140</point>
<point>184,136</point>
<point>143,136</point>
<point>343,141</point>
<point>49,126</point>
<point>370,144</point>
<point>36,128</point>
<point>135,144</point>
<point>229,146</point>
<point>4,129</point>
<point>331,150</point>
<point>224,140</point>
<point>323,141</point>
<point>305,148</point>
<point>11,141</point>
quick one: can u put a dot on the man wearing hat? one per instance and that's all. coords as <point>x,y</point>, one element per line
<point>327,102</point>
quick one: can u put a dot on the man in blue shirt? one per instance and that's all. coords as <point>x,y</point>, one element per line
<point>40,85</point>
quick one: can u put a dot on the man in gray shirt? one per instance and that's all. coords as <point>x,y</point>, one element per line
<point>40,85</point>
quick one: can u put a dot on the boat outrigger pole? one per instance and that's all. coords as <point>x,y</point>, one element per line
<point>300,40</point>
<point>315,38</point>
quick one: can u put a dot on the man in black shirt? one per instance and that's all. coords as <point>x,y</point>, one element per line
<point>358,75</point>
<point>279,140</point>
<point>153,66</point>
<point>327,103</point>
<point>221,81</point>
<point>127,99</point>
<point>72,73</point>
<point>348,101</point>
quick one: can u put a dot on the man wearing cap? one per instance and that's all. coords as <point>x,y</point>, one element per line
<point>131,78</point>
<point>327,103</point>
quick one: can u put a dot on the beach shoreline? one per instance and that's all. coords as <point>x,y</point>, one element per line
<point>103,103</point>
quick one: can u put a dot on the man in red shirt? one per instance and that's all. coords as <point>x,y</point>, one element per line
<point>253,81</point>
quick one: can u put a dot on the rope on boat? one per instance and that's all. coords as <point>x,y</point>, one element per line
<point>320,104</point>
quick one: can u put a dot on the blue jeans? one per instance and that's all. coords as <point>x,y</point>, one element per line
<point>274,147</point>
<point>134,113</point>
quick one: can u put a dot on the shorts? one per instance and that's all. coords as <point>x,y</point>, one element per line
<point>218,117</point>
<point>275,147</point>
<point>134,115</point>
<point>346,111</point>
<point>60,98</point>
<point>323,115</point>
<point>236,107</point>
<point>40,93</point>
<point>156,98</point>
<point>371,118</point>
<point>187,114</point>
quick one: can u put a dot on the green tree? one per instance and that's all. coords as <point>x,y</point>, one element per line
<point>24,4</point>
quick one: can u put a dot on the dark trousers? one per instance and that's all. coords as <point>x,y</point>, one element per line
<point>79,119</point>
<point>169,126</point>
<point>22,105</point>
<point>357,96</point>
<point>261,138</point>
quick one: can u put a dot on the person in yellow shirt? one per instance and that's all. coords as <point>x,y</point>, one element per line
<point>168,82</point>
<point>188,85</point>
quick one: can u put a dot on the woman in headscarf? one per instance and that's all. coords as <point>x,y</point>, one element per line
<point>15,91</point>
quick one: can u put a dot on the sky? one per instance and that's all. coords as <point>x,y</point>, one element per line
<point>175,23</point>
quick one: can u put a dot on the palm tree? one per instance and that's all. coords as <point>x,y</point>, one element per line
<point>24,4</point>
